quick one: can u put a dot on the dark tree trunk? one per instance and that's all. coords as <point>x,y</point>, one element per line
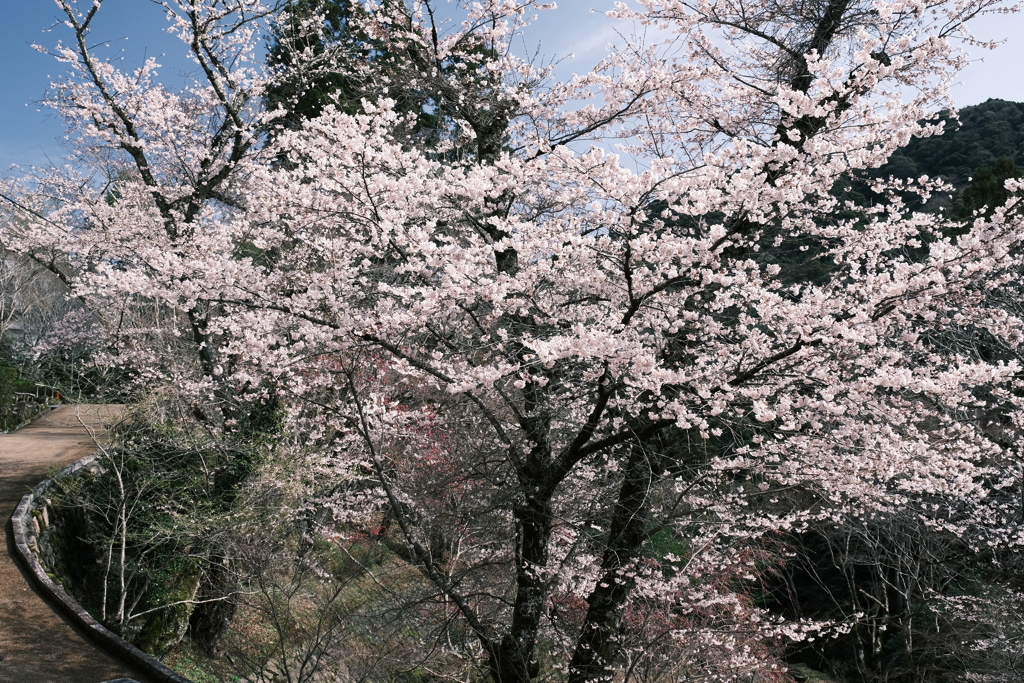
<point>597,646</point>
<point>513,659</point>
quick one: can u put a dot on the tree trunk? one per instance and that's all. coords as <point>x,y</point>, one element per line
<point>597,645</point>
<point>513,659</point>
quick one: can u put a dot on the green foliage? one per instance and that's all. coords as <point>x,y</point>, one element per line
<point>340,85</point>
<point>164,499</point>
<point>174,584</point>
<point>986,190</point>
<point>190,665</point>
<point>984,133</point>
<point>975,155</point>
<point>343,64</point>
<point>666,542</point>
<point>183,465</point>
<point>17,398</point>
<point>349,66</point>
<point>8,376</point>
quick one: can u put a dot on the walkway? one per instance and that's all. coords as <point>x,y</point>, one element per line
<point>36,644</point>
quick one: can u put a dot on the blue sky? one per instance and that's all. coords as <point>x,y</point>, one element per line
<point>30,134</point>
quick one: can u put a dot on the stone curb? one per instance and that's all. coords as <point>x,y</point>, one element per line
<point>24,540</point>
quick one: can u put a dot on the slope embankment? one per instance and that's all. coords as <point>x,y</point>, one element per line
<point>37,645</point>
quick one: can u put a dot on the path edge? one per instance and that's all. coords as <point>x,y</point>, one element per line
<point>113,643</point>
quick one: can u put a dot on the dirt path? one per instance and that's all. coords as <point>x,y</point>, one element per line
<point>36,644</point>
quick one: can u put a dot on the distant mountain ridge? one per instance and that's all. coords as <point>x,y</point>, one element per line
<point>985,132</point>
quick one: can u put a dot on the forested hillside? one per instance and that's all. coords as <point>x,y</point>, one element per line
<point>983,134</point>
<point>976,154</point>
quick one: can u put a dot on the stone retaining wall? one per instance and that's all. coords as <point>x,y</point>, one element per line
<point>31,526</point>
<point>26,412</point>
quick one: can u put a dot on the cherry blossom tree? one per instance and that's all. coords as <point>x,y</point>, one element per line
<point>175,158</point>
<point>574,386</point>
<point>642,346</point>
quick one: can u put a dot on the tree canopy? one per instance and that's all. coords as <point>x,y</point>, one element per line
<point>587,356</point>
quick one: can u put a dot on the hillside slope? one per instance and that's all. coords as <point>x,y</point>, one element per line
<point>985,133</point>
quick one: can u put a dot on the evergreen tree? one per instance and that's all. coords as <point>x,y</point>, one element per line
<point>319,55</point>
<point>986,190</point>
